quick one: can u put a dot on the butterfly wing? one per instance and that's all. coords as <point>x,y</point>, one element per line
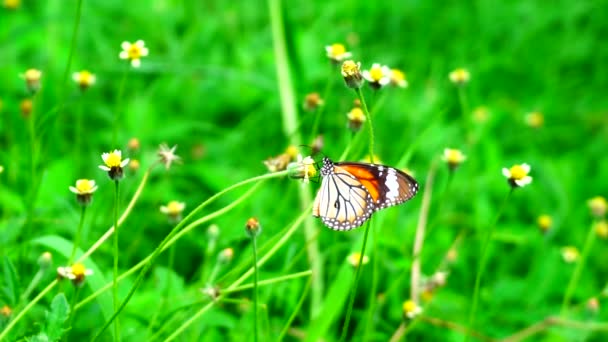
<point>343,202</point>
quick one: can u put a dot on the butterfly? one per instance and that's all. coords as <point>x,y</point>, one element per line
<point>351,192</point>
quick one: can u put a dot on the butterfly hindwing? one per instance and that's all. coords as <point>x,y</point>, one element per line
<point>350,192</point>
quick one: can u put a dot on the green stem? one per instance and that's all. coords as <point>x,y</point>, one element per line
<point>22,313</point>
<point>35,281</point>
<point>255,287</point>
<point>482,264</point>
<point>353,288</point>
<point>72,315</point>
<point>372,294</point>
<point>295,312</point>
<point>169,240</point>
<point>78,135</point>
<point>269,281</point>
<point>320,110</point>
<point>370,126</point>
<point>77,236</point>
<point>115,274</point>
<point>464,109</point>
<point>572,284</point>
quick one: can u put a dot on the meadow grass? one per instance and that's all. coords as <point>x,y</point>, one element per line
<point>225,82</point>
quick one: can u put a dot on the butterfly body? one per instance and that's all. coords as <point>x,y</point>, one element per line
<point>351,192</point>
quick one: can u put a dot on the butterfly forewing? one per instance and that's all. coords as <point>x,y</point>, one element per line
<point>351,192</point>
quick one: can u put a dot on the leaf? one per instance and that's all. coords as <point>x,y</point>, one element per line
<point>60,310</point>
<point>10,286</point>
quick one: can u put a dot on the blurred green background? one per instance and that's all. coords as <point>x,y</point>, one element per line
<point>210,86</point>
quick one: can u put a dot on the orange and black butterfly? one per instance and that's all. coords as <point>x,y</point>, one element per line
<point>351,192</point>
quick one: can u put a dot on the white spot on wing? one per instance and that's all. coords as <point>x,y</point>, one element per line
<point>392,184</point>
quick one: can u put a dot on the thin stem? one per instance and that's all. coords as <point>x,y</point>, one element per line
<point>35,281</point>
<point>72,315</point>
<point>29,305</point>
<point>169,240</point>
<point>269,281</point>
<point>77,236</point>
<point>464,109</point>
<point>482,263</point>
<point>580,265</point>
<point>295,310</point>
<point>255,287</point>
<point>372,293</point>
<point>78,133</point>
<point>320,110</point>
<point>115,273</point>
<point>420,233</point>
<point>370,126</point>
<point>353,288</point>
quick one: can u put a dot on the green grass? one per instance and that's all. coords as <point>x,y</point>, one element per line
<point>228,89</point>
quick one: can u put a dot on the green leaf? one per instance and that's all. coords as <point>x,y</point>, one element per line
<point>10,286</point>
<point>93,282</point>
<point>60,310</point>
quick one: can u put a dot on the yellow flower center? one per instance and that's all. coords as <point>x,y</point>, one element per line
<point>84,185</point>
<point>78,270</point>
<point>350,68</point>
<point>454,156</point>
<point>354,258</point>
<point>535,119</point>
<point>601,229</point>
<point>134,52</point>
<point>32,75</point>
<point>409,306</point>
<point>85,77</point>
<point>397,75</point>
<point>113,160</point>
<point>337,50</point>
<point>292,151</point>
<point>175,207</point>
<point>518,172</point>
<point>545,222</point>
<point>376,73</point>
<point>356,114</point>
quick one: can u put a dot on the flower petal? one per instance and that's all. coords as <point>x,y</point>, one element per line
<point>525,167</point>
<point>125,45</point>
<point>506,172</point>
<point>136,62</point>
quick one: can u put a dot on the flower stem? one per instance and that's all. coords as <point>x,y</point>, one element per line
<point>72,315</point>
<point>77,236</point>
<point>482,264</point>
<point>319,111</point>
<point>370,126</point>
<point>115,274</point>
<point>353,288</point>
<point>255,287</point>
<point>577,270</point>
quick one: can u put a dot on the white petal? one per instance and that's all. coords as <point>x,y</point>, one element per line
<point>328,49</point>
<point>144,51</point>
<point>164,209</point>
<point>367,76</point>
<point>124,162</point>
<point>125,45</point>
<point>123,55</point>
<point>375,65</point>
<point>525,167</point>
<point>105,168</point>
<point>104,156</point>
<point>384,81</point>
<point>506,172</point>
<point>76,76</point>
<point>346,55</point>
<point>140,44</point>
<point>74,190</point>
<point>136,63</point>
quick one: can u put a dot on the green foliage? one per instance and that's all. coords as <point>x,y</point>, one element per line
<point>214,84</point>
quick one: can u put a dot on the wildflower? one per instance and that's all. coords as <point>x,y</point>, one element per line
<point>292,152</point>
<point>569,254</point>
<point>337,53</point>
<point>6,311</point>
<point>356,118</point>
<point>534,119</point>
<point>544,222</point>
<point>317,144</point>
<point>167,155</point>
<point>77,273</point>
<point>354,259</point>
<point>302,168</point>
<point>173,210</point>
<point>312,101</point>
<point>134,52</point>
<point>12,4</point>
<point>518,175</point>
<point>226,255</point>
<point>480,114</point>
<point>357,103</point>
<point>114,164</point>
<point>45,260</point>
<point>439,278</point>
<point>278,163</point>
<point>84,78</point>
<point>411,309</point>
<point>133,144</point>
<point>213,231</point>
<point>32,79</point>
<point>378,75</point>
<point>26,107</point>
<point>351,72</point>
<point>593,304</point>
<point>134,165</point>
<point>453,157</point>
<point>212,291</point>
<point>398,78</point>
<point>598,206</point>
<point>84,190</point>
<point>460,76</point>
<point>253,227</point>
<point>601,229</point>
